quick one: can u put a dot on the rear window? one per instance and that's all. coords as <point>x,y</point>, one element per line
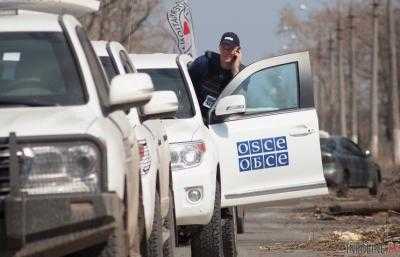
<point>328,145</point>
<point>38,68</point>
<point>172,80</point>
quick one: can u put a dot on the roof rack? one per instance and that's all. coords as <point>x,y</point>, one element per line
<point>74,7</point>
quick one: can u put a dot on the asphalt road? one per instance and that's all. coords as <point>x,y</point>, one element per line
<point>302,230</point>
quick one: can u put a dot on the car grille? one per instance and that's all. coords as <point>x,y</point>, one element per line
<point>4,174</point>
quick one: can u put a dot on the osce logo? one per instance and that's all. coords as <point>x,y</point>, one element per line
<point>262,154</point>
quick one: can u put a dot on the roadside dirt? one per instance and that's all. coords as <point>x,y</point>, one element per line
<point>305,229</point>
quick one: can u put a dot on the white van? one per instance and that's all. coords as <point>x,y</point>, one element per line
<point>261,144</point>
<point>69,159</point>
<point>156,178</point>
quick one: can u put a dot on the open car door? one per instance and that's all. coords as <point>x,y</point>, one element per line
<point>266,129</point>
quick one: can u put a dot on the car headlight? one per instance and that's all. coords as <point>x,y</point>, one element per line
<point>186,155</point>
<point>67,167</point>
<point>327,157</point>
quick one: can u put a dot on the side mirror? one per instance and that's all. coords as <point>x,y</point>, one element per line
<point>130,90</point>
<point>163,103</point>
<point>232,104</point>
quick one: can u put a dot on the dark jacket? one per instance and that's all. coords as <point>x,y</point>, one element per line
<point>209,79</point>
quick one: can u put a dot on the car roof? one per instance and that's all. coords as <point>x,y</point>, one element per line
<point>100,47</point>
<point>154,61</point>
<point>30,21</point>
<point>76,8</point>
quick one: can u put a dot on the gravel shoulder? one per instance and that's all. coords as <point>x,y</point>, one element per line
<point>305,229</point>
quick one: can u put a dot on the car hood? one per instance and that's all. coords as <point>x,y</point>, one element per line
<point>45,121</point>
<point>180,130</point>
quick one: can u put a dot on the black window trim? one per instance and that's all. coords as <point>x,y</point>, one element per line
<point>180,68</point>
<point>75,58</point>
<point>103,99</point>
<point>113,61</point>
<point>125,58</point>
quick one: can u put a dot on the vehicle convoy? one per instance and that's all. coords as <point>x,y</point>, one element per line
<point>261,144</point>
<point>69,159</point>
<point>347,166</point>
<point>156,178</point>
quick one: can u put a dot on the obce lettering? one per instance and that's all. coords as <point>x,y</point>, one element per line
<point>262,154</point>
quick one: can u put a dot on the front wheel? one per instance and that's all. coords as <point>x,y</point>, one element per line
<point>207,240</point>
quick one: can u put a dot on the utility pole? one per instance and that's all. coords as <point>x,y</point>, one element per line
<point>395,84</point>
<point>374,89</point>
<point>341,85</point>
<point>353,82</point>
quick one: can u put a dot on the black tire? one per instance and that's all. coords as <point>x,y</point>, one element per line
<point>207,240</point>
<point>343,188</point>
<point>169,224</point>
<point>229,233</point>
<point>153,246</point>
<point>240,222</point>
<point>375,187</point>
<point>116,244</point>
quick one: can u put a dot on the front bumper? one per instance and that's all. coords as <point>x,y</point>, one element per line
<point>56,225</point>
<point>201,177</point>
<point>51,225</point>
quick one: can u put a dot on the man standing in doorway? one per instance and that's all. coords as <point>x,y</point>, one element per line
<point>211,72</point>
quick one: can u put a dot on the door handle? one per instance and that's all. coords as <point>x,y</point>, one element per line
<point>301,131</point>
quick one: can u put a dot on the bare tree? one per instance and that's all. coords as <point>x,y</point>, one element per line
<point>374,88</point>
<point>341,84</point>
<point>137,24</point>
<point>332,83</point>
<point>394,84</point>
<point>353,83</point>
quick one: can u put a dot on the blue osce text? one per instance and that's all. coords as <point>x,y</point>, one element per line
<point>262,154</point>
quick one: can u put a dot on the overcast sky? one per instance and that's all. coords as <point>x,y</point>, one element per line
<point>255,22</point>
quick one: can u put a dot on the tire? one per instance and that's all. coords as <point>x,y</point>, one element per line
<point>153,246</point>
<point>375,187</point>
<point>169,224</point>
<point>343,188</point>
<point>116,244</point>
<point>229,234</point>
<point>207,240</point>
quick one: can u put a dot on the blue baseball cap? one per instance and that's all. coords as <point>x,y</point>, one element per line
<point>230,38</point>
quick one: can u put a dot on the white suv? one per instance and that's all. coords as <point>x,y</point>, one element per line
<point>156,178</point>
<point>261,144</point>
<point>69,159</point>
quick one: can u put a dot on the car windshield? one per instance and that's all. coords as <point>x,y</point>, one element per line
<point>171,79</point>
<point>328,145</point>
<point>109,67</point>
<point>38,69</point>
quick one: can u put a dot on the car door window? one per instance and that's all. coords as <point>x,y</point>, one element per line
<point>351,148</point>
<point>271,89</point>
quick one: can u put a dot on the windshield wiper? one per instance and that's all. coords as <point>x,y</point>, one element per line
<point>25,103</point>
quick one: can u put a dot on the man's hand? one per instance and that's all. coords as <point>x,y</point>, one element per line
<point>236,62</point>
